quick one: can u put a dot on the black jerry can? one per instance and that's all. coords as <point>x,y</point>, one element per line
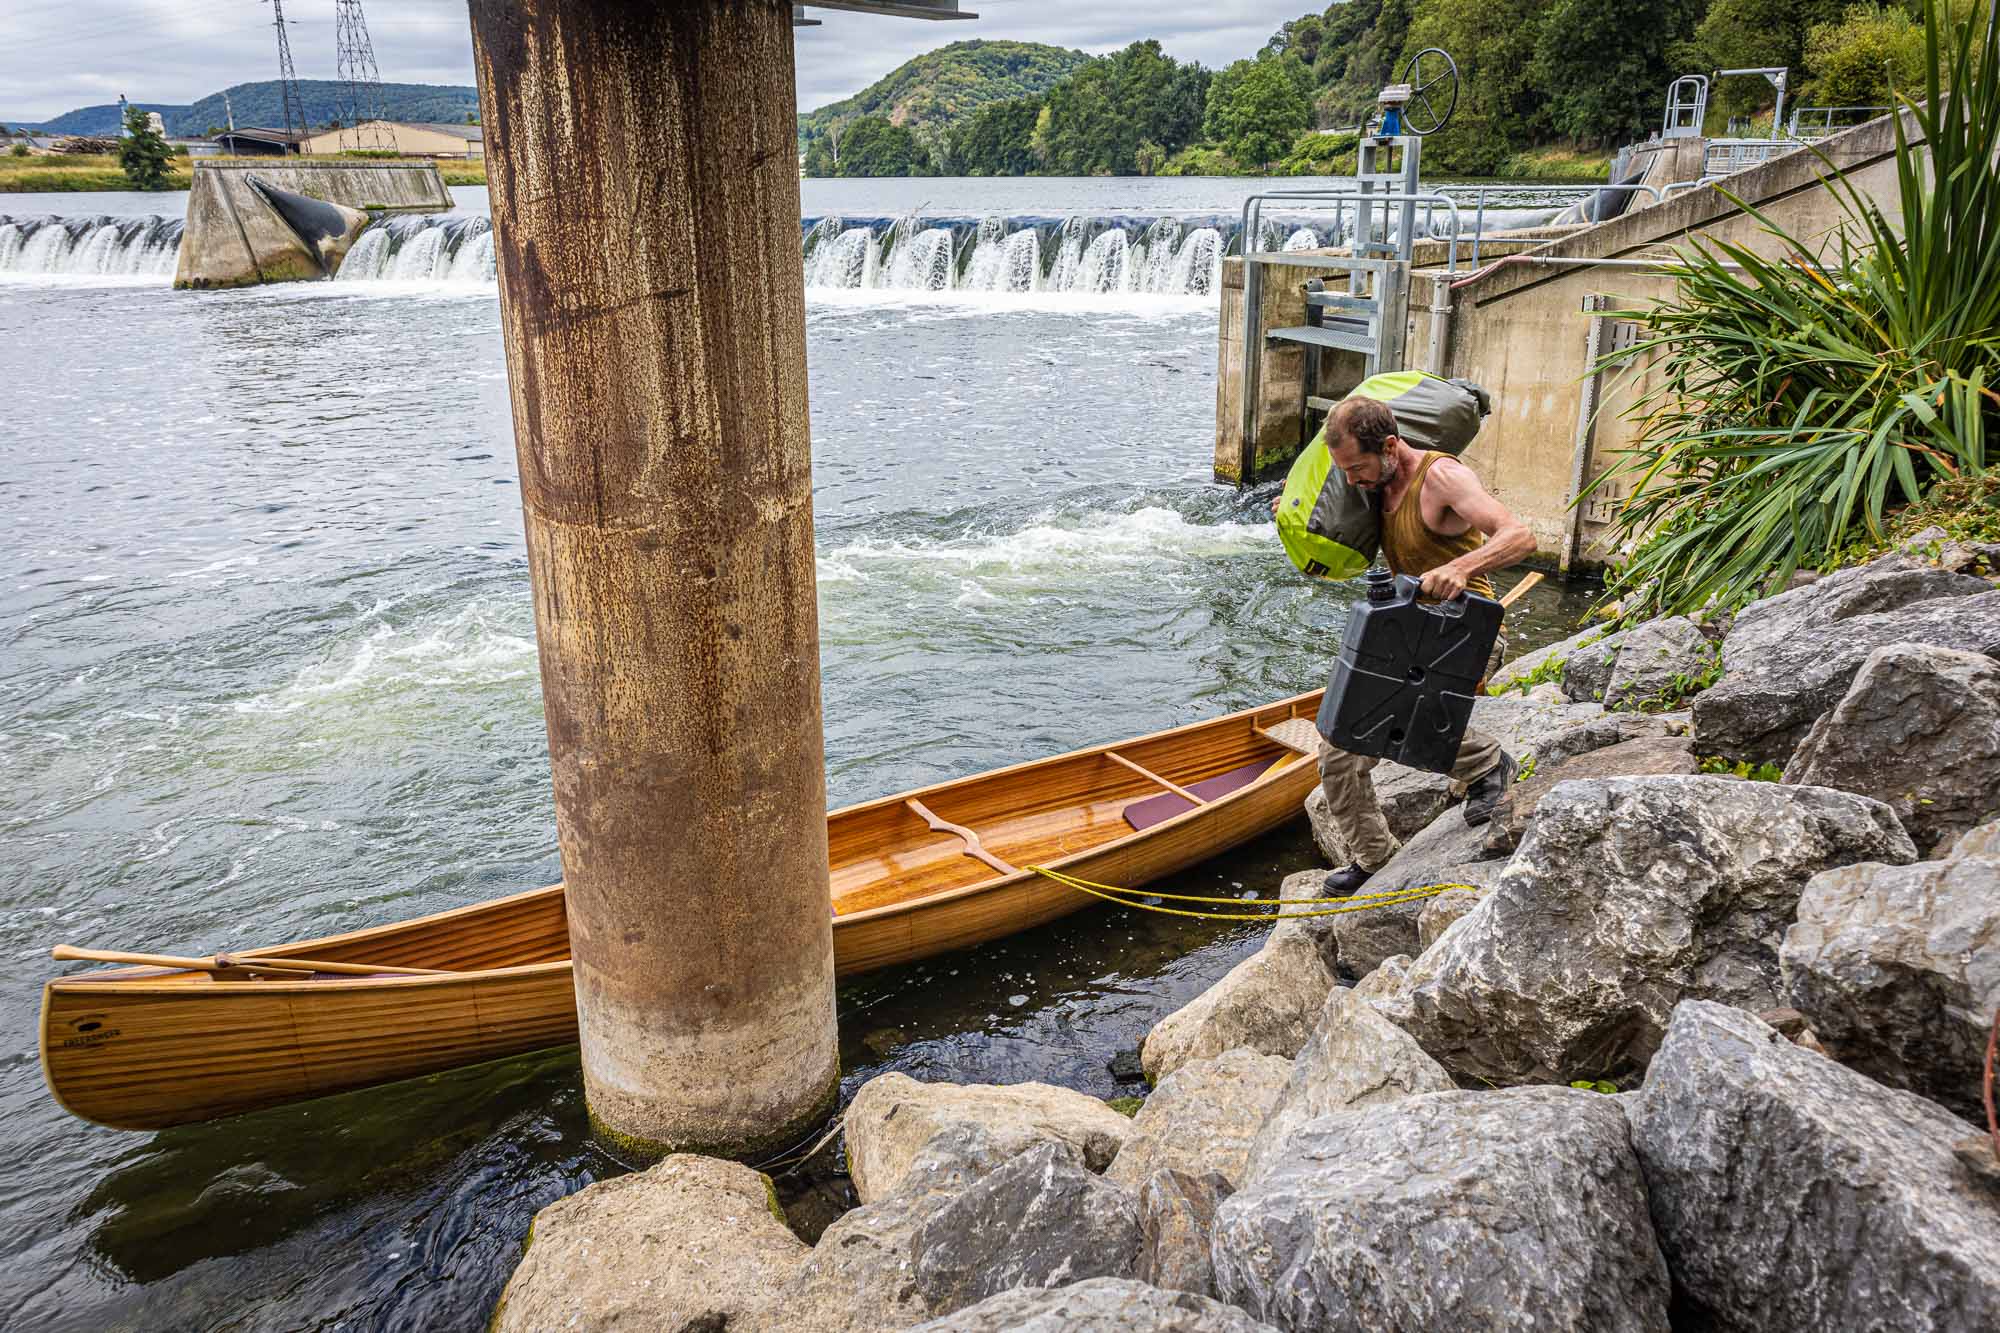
<point>1403,685</point>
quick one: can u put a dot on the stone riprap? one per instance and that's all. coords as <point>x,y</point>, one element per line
<point>1267,1003</point>
<point>1629,895</point>
<point>1893,583</point>
<point>692,1242</point>
<point>1651,757</point>
<point>1587,674</point>
<point>1201,1118</point>
<point>1176,1223</point>
<point>1897,968</point>
<point>1790,1192</point>
<point>1041,1220</point>
<point>1768,699</point>
<point>1448,852</point>
<point>1441,911</point>
<point>1518,1209</point>
<point>1356,1058</point>
<point>893,1117</point>
<point>1919,729</point>
<point>1101,1305</point>
<point>1659,662</point>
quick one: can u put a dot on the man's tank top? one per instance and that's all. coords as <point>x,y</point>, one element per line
<point>1410,547</point>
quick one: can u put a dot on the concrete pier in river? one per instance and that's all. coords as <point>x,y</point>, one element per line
<point>240,232</point>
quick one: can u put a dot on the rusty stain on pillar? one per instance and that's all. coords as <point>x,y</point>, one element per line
<point>645,202</point>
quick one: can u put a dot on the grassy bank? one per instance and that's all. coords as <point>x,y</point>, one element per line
<point>1557,164</point>
<point>65,173</point>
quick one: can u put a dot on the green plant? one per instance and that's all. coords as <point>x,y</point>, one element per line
<point>1526,769</point>
<point>1795,399</point>
<point>1765,772</point>
<point>1546,670</point>
<point>143,155</point>
<point>20,150</point>
<point>1125,1106</point>
<point>1594,1085</point>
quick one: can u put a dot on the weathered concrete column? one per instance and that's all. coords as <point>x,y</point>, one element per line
<point>646,214</point>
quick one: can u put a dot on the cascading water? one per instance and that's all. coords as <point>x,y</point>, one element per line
<point>448,248</point>
<point>144,246</point>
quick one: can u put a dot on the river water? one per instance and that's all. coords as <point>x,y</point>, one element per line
<point>270,673</point>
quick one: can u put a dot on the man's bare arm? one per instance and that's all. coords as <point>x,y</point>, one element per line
<point>1508,540</point>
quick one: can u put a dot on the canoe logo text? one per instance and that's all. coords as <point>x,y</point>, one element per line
<point>88,1030</point>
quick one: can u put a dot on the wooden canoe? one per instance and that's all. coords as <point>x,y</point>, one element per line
<point>912,875</point>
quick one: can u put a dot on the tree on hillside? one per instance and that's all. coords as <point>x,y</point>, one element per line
<point>1359,53</point>
<point>1501,106</point>
<point>1096,119</point>
<point>1859,59</point>
<point>143,154</point>
<point>1742,34</point>
<point>874,147</point>
<point>1604,69</point>
<point>1257,108</point>
<point>997,139</point>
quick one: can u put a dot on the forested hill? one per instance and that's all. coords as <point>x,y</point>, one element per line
<point>941,86</point>
<point>259,104</point>
<point>1546,85</point>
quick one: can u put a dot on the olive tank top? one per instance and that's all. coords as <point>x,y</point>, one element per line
<point>1410,547</point>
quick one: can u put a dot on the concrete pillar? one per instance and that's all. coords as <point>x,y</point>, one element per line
<point>645,193</point>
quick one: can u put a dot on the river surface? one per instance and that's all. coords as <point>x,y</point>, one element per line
<point>270,673</point>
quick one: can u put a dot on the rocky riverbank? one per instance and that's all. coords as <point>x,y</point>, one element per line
<point>1699,1045</point>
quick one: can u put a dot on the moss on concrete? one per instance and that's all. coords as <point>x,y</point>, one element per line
<point>637,1149</point>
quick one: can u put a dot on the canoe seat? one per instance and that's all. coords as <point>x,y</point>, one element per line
<point>1142,815</point>
<point>1298,734</point>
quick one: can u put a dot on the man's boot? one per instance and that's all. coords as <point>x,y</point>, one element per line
<point>1485,792</point>
<point>1345,881</point>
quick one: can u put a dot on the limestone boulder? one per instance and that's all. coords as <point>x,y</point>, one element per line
<point>1355,1059</point>
<point>1790,1192</point>
<point>1918,729</point>
<point>1267,1003</point>
<point>1628,759</point>
<point>1659,662</point>
<point>1897,968</point>
<point>1201,1118</point>
<point>1041,1220</point>
<point>693,1242</point>
<point>1516,1209</point>
<point>1176,1223</point>
<point>1627,896</point>
<point>893,1117</point>
<point>1605,730</point>
<point>861,1276</point>
<point>1447,852</point>
<point>1390,976</point>
<point>1768,698</point>
<point>1586,675</point>
<point>1891,584</point>
<point>1101,1305</point>
<point>1441,911</point>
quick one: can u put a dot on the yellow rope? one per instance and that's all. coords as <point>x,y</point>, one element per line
<point>1360,902</point>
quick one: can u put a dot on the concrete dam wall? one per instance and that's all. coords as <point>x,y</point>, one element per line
<point>252,222</point>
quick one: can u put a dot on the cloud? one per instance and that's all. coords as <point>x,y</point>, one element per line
<point>60,55</point>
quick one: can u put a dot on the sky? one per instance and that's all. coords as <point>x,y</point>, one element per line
<point>56,55</point>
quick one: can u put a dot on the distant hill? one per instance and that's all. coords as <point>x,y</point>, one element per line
<point>940,86</point>
<point>259,104</point>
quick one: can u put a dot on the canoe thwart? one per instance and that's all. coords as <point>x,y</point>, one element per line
<point>1154,778</point>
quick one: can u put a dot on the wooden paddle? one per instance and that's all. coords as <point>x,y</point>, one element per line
<point>64,953</point>
<point>1514,593</point>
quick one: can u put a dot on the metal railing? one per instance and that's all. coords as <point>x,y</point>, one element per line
<point>1254,261</point>
<point>1584,191</point>
<point>1726,157</point>
<point>1817,122</point>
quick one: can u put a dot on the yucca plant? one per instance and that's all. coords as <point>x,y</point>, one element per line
<point>1799,396</point>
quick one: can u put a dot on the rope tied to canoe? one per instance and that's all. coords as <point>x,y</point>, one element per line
<point>1283,908</point>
